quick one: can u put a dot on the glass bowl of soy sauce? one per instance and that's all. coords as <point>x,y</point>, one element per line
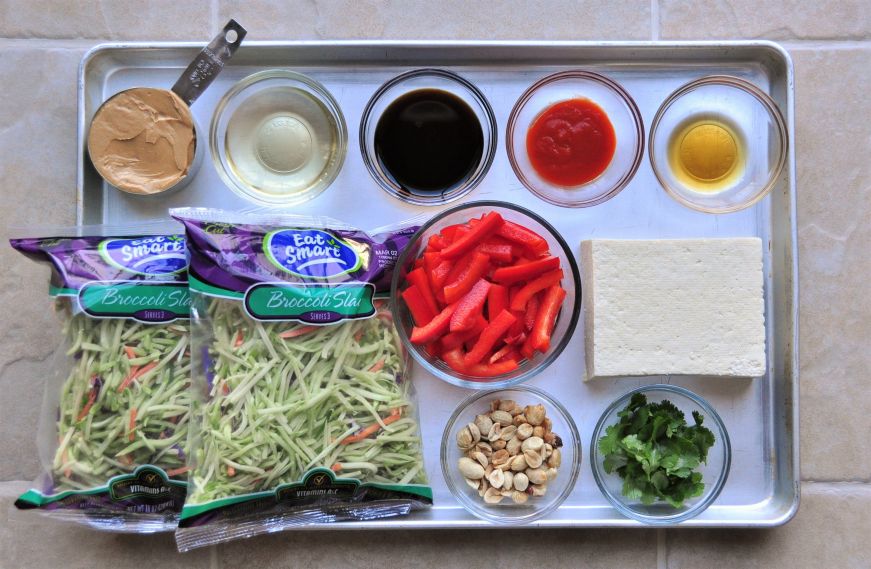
<point>428,136</point>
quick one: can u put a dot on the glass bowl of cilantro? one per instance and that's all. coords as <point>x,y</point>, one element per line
<point>660,454</point>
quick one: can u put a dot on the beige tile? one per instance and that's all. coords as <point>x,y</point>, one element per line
<point>38,169</point>
<point>830,530</point>
<point>790,19</point>
<point>107,19</point>
<point>528,548</point>
<point>450,19</point>
<point>834,211</point>
<point>28,539</point>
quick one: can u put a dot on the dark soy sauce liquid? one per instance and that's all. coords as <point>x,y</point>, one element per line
<point>429,141</point>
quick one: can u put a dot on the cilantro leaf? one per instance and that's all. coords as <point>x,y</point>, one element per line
<point>615,461</point>
<point>610,443</point>
<point>659,481</point>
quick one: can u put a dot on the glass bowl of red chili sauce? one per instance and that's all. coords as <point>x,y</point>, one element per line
<point>575,138</point>
<point>485,295</point>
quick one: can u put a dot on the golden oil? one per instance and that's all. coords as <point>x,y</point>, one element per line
<point>706,155</point>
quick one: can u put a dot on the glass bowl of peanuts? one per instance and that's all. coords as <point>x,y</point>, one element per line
<point>511,456</point>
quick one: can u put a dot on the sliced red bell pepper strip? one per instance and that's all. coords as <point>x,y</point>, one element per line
<point>435,272</point>
<point>418,278</point>
<point>503,352</point>
<point>526,237</point>
<point>518,302</point>
<point>458,231</point>
<point>436,242</point>
<point>493,333</point>
<point>546,317</point>
<point>454,359</point>
<point>527,350</point>
<point>461,265</point>
<point>498,251</point>
<point>517,327</point>
<point>437,279</point>
<point>492,370</point>
<point>435,328</point>
<point>453,340</point>
<point>478,267</point>
<point>489,224</point>
<point>417,305</point>
<point>450,232</point>
<point>430,260</point>
<point>525,271</point>
<point>470,307</point>
<point>515,340</point>
<point>432,349</point>
<point>440,274</point>
<point>497,300</point>
<point>531,311</point>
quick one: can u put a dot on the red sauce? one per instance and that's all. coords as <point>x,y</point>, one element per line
<point>571,142</point>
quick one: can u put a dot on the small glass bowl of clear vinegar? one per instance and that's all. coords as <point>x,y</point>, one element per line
<point>278,138</point>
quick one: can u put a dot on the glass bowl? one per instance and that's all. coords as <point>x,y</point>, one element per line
<point>751,133</point>
<point>613,100</point>
<point>278,138</point>
<point>425,79</point>
<point>714,472</point>
<point>565,322</point>
<point>507,512</point>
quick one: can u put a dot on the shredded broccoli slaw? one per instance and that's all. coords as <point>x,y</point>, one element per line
<point>286,397</point>
<point>126,401</point>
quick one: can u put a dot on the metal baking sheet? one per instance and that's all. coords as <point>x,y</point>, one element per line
<point>760,414</point>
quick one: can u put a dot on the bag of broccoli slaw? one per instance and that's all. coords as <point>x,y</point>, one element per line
<point>114,423</point>
<point>307,412</point>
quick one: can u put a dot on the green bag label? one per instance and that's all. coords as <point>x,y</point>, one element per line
<point>310,303</point>
<point>149,302</point>
<point>318,488</point>
<point>318,485</point>
<point>147,483</point>
<point>148,489</point>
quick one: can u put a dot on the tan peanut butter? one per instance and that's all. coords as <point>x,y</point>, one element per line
<point>142,140</point>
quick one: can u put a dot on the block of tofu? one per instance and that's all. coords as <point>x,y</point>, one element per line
<point>674,306</point>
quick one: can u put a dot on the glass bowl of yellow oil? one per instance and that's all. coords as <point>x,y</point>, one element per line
<point>278,138</point>
<point>718,144</point>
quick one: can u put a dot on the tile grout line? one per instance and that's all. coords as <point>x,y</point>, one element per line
<point>832,44</point>
<point>52,43</point>
<point>661,548</point>
<point>84,43</point>
<point>838,483</point>
<point>214,562</point>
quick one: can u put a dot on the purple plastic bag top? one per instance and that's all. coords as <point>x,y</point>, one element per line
<point>234,252</point>
<point>77,261</point>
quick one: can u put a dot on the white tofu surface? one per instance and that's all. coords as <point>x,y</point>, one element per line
<point>675,306</point>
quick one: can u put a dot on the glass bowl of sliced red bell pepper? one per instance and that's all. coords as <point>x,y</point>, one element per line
<point>486,294</point>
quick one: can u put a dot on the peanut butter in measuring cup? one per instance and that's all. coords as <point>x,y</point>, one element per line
<point>144,140</point>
